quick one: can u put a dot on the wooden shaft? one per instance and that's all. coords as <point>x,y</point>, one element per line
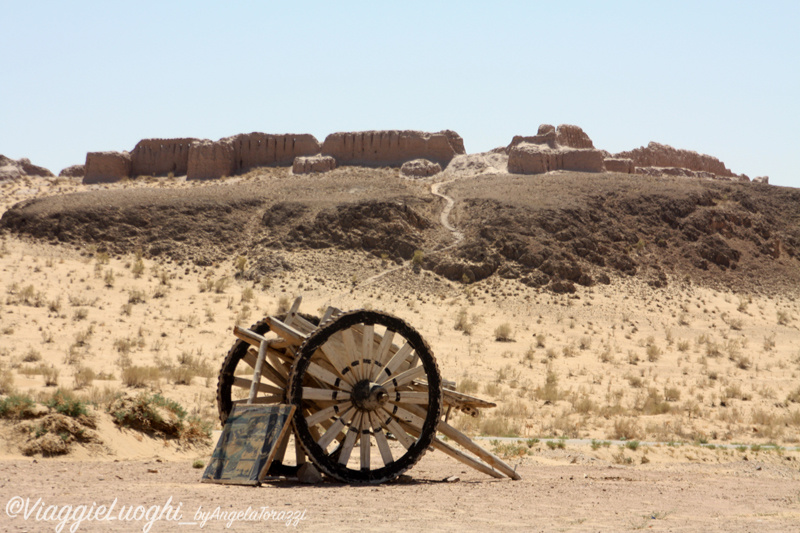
<point>262,354</point>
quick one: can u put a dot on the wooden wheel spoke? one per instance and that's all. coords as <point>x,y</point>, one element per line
<point>397,431</point>
<point>351,352</point>
<point>401,414</point>
<point>333,431</point>
<point>399,397</point>
<point>328,377</point>
<point>380,439</point>
<point>350,439</point>
<point>397,359</point>
<point>311,393</point>
<point>365,442</point>
<point>326,413</point>
<point>405,377</point>
<point>331,350</point>
<point>367,340</point>
<point>382,355</point>
<point>262,387</point>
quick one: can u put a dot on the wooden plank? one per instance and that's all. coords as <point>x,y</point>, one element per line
<point>262,387</point>
<point>284,331</point>
<point>400,397</point>
<point>406,416</point>
<point>462,440</point>
<point>270,399</point>
<point>250,337</point>
<point>292,314</point>
<point>458,455</point>
<point>267,370</point>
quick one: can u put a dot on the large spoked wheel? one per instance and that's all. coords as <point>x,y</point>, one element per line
<point>236,374</point>
<point>357,382</point>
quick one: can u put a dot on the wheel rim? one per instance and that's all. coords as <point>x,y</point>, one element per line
<point>351,382</point>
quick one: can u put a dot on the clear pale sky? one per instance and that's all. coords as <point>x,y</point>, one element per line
<point>721,78</point>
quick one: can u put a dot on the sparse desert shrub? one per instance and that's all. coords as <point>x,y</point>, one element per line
<point>283,305</point>
<point>136,296</point>
<point>50,375</point>
<point>83,377</point>
<point>6,380</point>
<point>503,333</point>
<point>540,338</point>
<point>625,429</point>
<point>585,343</point>
<point>137,269</point>
<point>32,356</point>
<point>462,322</point>
<point>418,258</point>
<point>80,314</point>
<point>17,406</point>
<point>794,396</point>
<point>683,346</point>
<point>672,394</point>
<point>240,264</point>
<point>140,376</point>
<point>468,385</point>
<point>108,278</point>
<point>769,342</point>
<point>221,285</point>
<point>66,403</point>
<point>783,318</point>
<point>653,353</point>
<point>499,426</point>
<point>549,392</point>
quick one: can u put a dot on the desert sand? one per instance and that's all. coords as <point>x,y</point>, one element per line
<point>627,406</point>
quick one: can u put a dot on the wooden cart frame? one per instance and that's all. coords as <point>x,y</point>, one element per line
<point>357,379</point>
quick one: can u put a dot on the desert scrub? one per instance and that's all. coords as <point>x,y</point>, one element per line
<point>67,404</point>
<point>140,376</point>
<point>154,414</point>
<point>503,333</point>
<point>462,322</point>
<point>17,407</point>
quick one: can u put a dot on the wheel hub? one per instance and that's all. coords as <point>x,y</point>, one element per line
<point>368,396</point>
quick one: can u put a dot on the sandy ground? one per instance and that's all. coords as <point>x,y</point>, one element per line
<point>716,370</point>
<point>739,496</point>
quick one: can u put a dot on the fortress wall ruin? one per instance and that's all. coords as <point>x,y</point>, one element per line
<point>392,147</point>
<point>662,155</point>
<point>159,157</point>
<point>265,150</point>
<point>107,167</point>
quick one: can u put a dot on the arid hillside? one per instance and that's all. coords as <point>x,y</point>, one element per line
<point>553,231</point>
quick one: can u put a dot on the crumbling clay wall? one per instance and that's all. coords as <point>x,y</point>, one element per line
<point>622,165</point>
<point>313,164</point>
<point>107,167</point>
<point>565,148</point>
<point>159,157</point>
<point>210,160</point>
<point>392,148</point>
<point>662,155</point>
<point>73,171</point>
<point>265,150</point>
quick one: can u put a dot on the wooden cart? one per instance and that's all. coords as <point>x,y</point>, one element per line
<point>358,379</point>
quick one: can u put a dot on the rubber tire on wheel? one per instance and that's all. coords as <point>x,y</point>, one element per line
<point>328,461</point>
